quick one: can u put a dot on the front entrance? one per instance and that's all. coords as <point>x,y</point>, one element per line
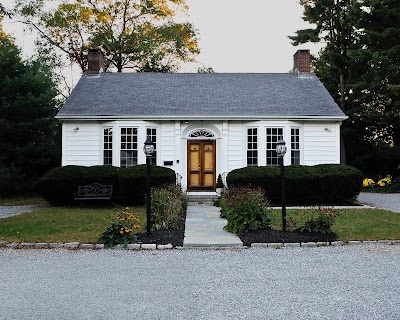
<point>201,165</point>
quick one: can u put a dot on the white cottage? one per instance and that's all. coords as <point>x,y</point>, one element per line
<point>202,124</point>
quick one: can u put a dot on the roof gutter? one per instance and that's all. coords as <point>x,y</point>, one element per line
<point>200,117</point>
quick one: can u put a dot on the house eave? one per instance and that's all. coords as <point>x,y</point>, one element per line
<point>200,117</point>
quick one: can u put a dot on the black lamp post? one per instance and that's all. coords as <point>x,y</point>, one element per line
<point>281,151</point>
<point>148,150</point>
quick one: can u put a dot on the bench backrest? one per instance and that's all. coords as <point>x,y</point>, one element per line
<point>95,190</point>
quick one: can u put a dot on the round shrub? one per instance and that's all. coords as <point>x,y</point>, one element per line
<point>267,178</point>
<point>59,185</point>
<point>100,174</point>
<point>337,182</point>
<point>301,182</point>
<point>132,181</point>
<point>305,185</point>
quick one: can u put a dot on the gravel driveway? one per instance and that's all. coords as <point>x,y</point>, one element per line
<point>353,282</point>
<point>388,201</point>
<point>8,211</point>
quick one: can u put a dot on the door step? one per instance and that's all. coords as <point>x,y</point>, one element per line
<point>202,198</point>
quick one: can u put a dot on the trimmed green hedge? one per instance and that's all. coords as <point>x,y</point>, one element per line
<point>58,186</point>
<point>320,184</point>
<point>132,181</point>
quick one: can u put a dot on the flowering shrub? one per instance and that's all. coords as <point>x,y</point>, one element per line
<point>245,209</point>
<point>121,230</point>
<point>319,220</point>
<point>168,206</point>
<point>368,183</point>
<point>385,181</point>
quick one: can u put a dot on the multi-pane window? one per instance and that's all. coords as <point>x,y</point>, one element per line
<point>107,146</point>
<point>295,145</point>
<point>252,153</point>
<point>152,133</point>
<point>129,147</point>
<point>273,135</point>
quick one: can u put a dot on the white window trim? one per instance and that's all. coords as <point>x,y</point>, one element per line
<point>301,141</point>
<point>246,144</point>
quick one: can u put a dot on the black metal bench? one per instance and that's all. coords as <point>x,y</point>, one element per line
<point>94,191</point>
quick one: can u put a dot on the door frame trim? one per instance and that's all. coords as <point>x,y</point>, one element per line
<point>201,188</point>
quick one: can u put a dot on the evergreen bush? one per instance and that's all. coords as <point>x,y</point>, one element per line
<point>132,181</point>
<point>59,185</point>
<point>305,185</point>
<point>337,182</point>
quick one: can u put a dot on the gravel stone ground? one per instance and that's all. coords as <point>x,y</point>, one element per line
<point>8,211</point>
<point>388,201</point>
<point>350,282</point>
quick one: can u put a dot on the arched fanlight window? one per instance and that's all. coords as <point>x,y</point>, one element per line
<point>201,133</point>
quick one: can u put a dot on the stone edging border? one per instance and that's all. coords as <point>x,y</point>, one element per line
<point>324,244</point>
<point>143,246</point>
<point>78,245</point>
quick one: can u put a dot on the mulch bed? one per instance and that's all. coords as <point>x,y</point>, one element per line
<point>274,236</point>
<point>175,237</point>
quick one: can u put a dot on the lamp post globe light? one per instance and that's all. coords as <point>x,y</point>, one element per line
<point>281,151</point>
<point>148,149</point>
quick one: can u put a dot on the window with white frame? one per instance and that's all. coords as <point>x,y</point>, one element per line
<point>129,147</point>
<point>107,146</point>
<point>152,133</point>
<point>252,147</point>
<point>272,136</point>
<point>295,145</point>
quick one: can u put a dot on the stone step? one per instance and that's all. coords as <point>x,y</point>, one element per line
<point>202,198</point>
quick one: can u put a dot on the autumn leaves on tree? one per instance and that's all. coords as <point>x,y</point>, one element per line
<point>140,35</point>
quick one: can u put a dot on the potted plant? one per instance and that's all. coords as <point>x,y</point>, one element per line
<point>219,185</point>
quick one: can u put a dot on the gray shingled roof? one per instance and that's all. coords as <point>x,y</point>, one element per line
<point>194,95</point>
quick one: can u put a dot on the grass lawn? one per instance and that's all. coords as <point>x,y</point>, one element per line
<point>354,224</point>
<point>85,224</point>
<point>61,224</point>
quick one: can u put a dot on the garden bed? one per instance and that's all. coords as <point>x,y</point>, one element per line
<point>175,237</point>
<point>274,236</point>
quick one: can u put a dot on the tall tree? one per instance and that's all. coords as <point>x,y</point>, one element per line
<point>360,68</point>
<point>378,85</point>
<point>28,130</point>
<point>332,20</point>
<point>136,34</point>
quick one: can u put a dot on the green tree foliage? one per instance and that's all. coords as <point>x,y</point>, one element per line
<point>377,108</point>
<point>332,20</point>
<point>28,130</point>
<point>136,34</point>
<point>360,68</point>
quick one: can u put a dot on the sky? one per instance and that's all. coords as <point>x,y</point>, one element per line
<point>247,36</point>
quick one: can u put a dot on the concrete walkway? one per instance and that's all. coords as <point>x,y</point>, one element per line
<point>204,228</point>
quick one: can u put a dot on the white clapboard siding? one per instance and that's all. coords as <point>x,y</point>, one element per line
<point>82,146</point>
<point>235,146</point>
<point>167,142</point>
<point>321,144</point>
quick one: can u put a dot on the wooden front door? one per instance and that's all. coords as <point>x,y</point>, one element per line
<point>201,165</point>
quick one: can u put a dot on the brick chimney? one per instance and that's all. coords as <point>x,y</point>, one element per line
<point>95,61</point>
<point>302,62</point>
